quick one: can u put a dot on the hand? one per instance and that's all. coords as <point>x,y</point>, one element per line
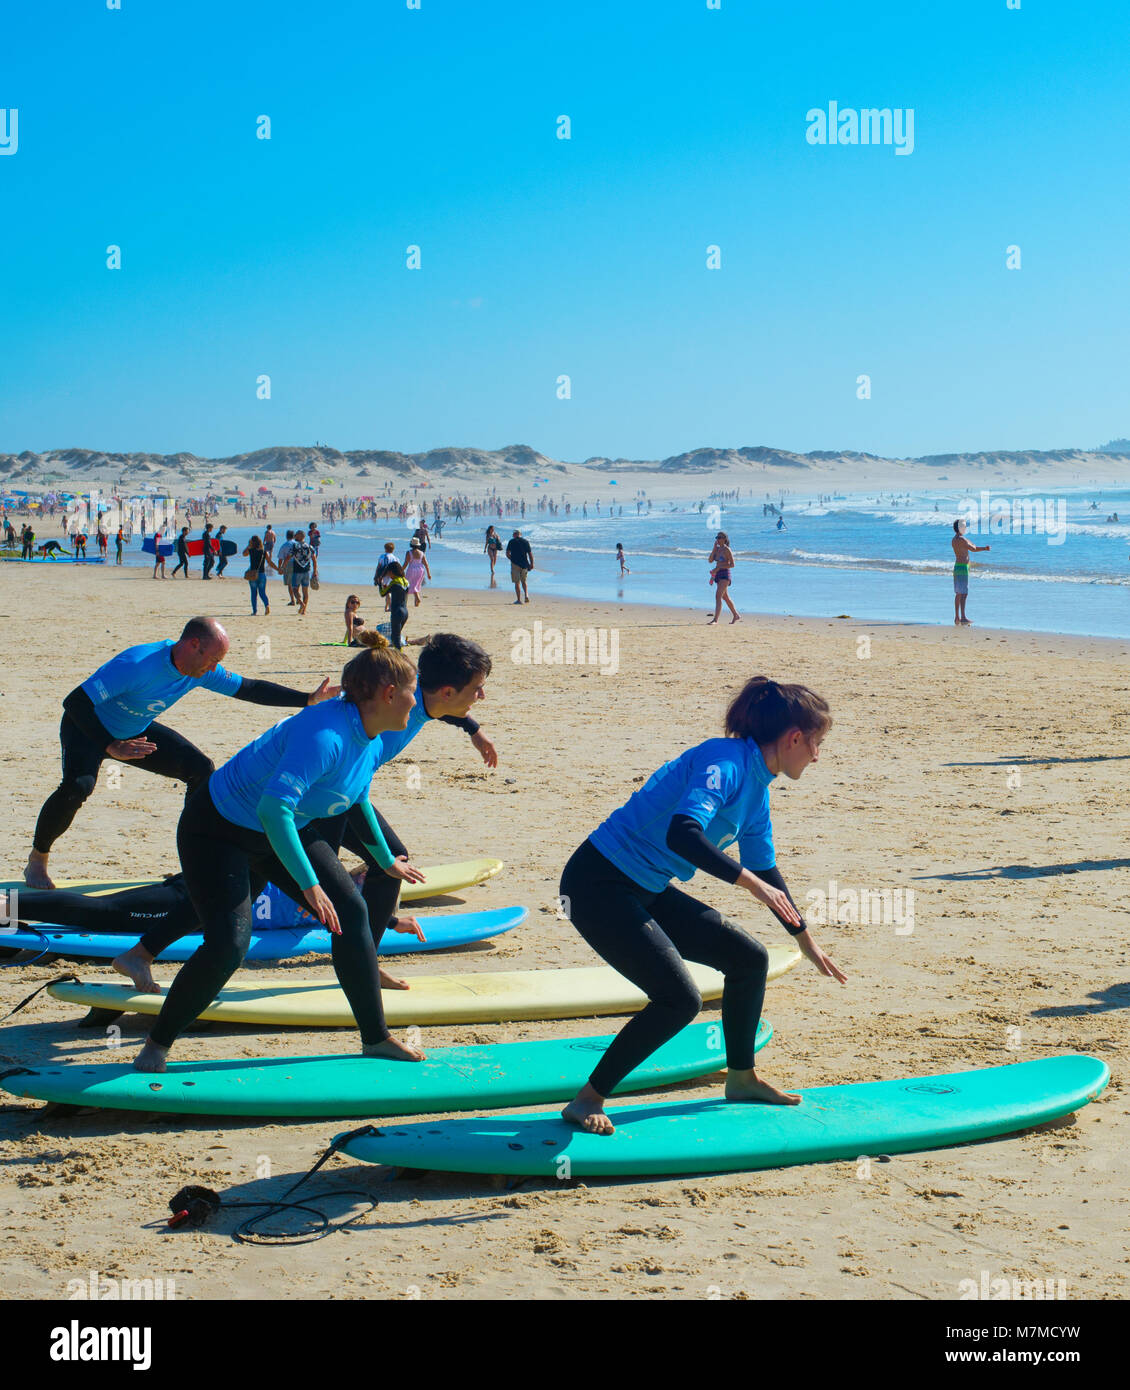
<point>818,958</point>
<point>774,900</point>
<point>126,749</point>
<point>322,908</point>
<point>407,873</point>
<point>325,691</point>
<point>410,926</point>
<point>480,741</point>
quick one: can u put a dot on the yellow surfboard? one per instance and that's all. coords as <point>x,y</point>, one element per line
<point>441,879</point>
<point>487,997</point>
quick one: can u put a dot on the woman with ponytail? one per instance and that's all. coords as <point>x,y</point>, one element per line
<point>277,811</point>
<point>617,888</point>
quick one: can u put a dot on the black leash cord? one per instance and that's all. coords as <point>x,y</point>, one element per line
<point>194,1205</point>
<point>58,980</point>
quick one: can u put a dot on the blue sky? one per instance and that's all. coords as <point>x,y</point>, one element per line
<point>543,257</point>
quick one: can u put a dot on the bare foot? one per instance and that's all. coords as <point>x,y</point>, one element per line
<point>134,965</point>
<point>391,982</point>
<point>588,1114</point>
<point>735,619</point>
<point>35,871</point>
<point>151,1058</point>
<point>395,1051</point>
<point>744,1085</point>
<point>711,622</point>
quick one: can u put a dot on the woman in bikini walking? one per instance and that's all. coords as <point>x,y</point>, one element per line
<point>722,558</point>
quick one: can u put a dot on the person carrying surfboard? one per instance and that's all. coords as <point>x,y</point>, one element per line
<point>616,888</point>
<point>277,811</point>
<point>111,715</point>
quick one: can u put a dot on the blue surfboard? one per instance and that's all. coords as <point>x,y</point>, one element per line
<point>280,943</point>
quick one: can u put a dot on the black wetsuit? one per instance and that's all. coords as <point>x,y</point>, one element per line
<point>181,547</point>
<point>84,741</point>
<point>159,935</point>
<point>155,906</point>
<point>228,866</point>
<point>647,936</point>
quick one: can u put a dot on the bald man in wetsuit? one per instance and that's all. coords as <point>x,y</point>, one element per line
<point>111,715</point>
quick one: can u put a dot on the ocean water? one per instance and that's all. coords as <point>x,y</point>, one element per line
<point>1056,564</point>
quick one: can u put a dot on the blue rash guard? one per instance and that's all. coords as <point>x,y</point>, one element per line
<point>314,765</point>
<point>723,785</point>
<point>394,741</point>
<point>139,684</point>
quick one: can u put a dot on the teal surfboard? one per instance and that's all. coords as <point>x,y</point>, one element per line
<point>711,1136</point>
<point>452,1078</point>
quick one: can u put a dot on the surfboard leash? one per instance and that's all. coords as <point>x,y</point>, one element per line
<point>22,958</point>
<point>58,980</point>
<point>193,1206</point>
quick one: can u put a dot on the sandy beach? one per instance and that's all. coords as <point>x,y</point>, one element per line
<point>983,772</point>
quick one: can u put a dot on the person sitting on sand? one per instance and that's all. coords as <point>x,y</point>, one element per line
<point>617,889</point>
<point>354,622</point>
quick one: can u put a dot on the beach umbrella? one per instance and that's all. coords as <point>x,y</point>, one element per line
<point>264,489</point>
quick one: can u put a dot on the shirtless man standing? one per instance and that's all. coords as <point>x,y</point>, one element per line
<point>962,551</point>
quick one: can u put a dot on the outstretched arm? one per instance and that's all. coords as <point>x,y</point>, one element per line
<point>258,692</point>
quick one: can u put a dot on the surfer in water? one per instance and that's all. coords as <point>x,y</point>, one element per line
<point>111,715</point>
<point>277,812</point>
<point>616,889</point>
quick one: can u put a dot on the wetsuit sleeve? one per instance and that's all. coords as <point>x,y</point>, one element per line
<point>466,723</point>
<point>84,712</point>
<point>685,837</point>
<point>277,817</point>
<point>370,834</point>
<point>773,878</point>
<point>258,692</point>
